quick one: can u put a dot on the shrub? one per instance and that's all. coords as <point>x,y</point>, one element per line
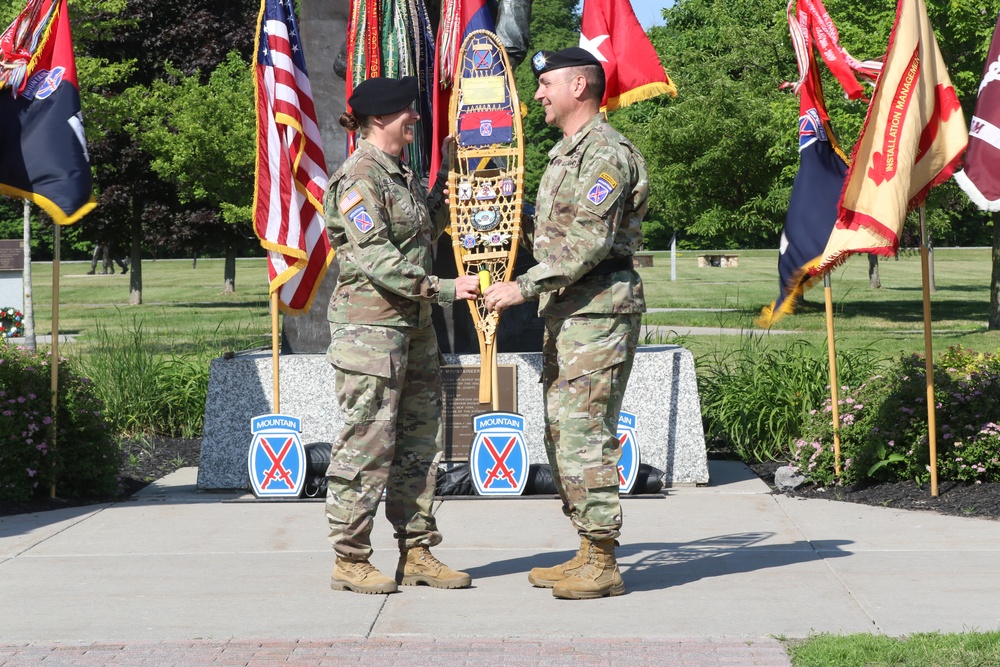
<point>884,435</point>
<point>153,389</point>
<point>83,459</point>
<point>756,399</point>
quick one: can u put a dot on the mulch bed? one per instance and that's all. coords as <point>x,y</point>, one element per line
<point>954,498</point>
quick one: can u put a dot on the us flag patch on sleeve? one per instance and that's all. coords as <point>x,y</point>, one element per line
<point>350,200</point>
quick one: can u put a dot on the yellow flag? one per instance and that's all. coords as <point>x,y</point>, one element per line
<point>912,140</point>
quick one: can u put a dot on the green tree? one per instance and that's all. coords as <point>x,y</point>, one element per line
<point>205,150</point>
<point>717,152</point>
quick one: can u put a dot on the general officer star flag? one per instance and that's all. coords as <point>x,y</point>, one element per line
<point>610,30</point>
<point>912,140</point>
<point>43,151</point>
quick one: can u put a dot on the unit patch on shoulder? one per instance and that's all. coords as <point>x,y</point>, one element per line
<point>359,216</point>
<point>350,200</point>
<point>604,186</point>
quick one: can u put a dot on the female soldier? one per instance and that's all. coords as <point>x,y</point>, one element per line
<point>383,226</point>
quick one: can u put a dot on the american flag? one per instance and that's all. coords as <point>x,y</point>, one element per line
<point>291,170</point>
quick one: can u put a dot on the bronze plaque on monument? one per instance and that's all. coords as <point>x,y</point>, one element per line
<point>461,404</point>
<point>11,255</point>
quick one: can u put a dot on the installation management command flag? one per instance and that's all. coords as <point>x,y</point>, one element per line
<point>291,169</point>
<point>611,32</point>
<point>913,139</point>
<point>981,177</point>
<point>43,152</point>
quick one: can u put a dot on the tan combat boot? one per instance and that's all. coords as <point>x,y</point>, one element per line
<point>547,577</point>
<point>597,578</point>
<point>360,577</point>
<point>418,565</point>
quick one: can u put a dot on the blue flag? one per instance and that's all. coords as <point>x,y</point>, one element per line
<point>812,209</point>
<point>43,152</point>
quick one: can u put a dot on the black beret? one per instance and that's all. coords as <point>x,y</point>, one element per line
<point>547,61</point>
<point>381,96</point>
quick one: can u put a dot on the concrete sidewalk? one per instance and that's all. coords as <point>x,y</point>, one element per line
<point>714,573</point>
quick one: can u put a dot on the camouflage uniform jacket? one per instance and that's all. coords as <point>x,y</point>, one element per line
<point>382,225</point>
<point>590,205</point>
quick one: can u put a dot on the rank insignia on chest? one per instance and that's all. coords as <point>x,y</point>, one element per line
<point>350,200</point>
<point>604,186</point>
<point>359,216</point>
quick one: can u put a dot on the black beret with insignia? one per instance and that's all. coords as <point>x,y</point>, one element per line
<point>381,96</point>
<point>547,61</point>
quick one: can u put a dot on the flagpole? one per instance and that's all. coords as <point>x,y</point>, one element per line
<point>831,347</point>
<point>54,359</point>
<point>274,351</point>
<point>929,355</point>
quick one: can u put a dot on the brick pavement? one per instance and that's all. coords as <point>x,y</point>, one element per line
<point>474,651</point>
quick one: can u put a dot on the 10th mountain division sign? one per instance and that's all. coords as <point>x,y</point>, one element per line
<point>276,461</point>
<point>499,462</point>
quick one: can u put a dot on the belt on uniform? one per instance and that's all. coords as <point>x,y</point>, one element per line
<point>610,265</point>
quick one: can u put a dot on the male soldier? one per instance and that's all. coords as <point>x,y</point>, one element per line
<point>587,226</point>
<point>383,348</point>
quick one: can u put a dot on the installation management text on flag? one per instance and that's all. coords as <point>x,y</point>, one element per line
<point>291,169</point>
<point>610,30</point>
<point>43,151</point>
<point>912,140</point>
<point>981,176</point>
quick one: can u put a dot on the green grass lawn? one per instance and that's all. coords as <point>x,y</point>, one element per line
<point>889,320</point>
<point>184,304</point>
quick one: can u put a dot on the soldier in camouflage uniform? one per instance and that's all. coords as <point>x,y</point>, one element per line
<point>586,228</point>
<point>383,225</point>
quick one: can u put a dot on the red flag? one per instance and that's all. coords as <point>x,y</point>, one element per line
<point>43,151</point>
<point>912,140</point>
<point>981,177</point>
<point>810,25</point>
<point>291,169</point>
<point>632,69</point>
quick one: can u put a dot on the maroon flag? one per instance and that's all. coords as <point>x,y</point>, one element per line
<point>291,169</point>
<point>981,177</point>
<point>43,151</point>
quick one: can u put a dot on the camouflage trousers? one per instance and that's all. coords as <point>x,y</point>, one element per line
<point>388,386</point>
<point>586,362</point>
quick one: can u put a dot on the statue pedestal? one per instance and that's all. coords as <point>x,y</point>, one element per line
<point>662,393</point>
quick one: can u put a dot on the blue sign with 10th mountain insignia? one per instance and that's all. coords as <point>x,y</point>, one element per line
<point>277,459</point>
<point>498,458</point>
<point>628,463</point>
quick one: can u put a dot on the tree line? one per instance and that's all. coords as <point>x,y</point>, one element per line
<point>167,94</point>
